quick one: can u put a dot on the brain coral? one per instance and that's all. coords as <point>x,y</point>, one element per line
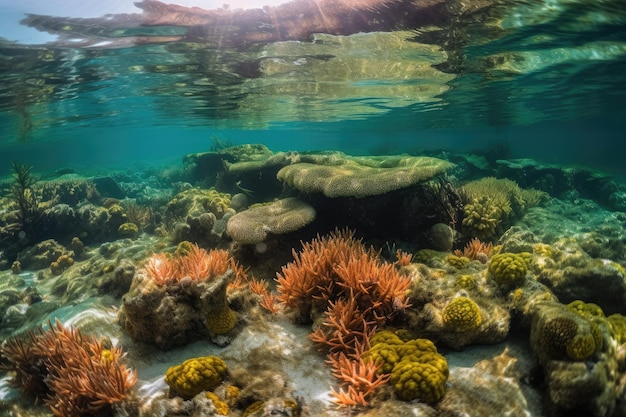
<point>221,320</point>
<point>508,269</point>
<point>196,375</point>
<point>462,314</point>
<point>253,225</point>
<point>416,369</point>
<point>559,333</point>
<point>346,176</point>
<point>415,380</point>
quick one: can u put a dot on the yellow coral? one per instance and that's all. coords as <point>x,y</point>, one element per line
<point>384,355</point>
<point>467,282</point>
<point>415,380</point>
<point>221,407</point>
<point>61,264</point>
<point>221,320</point>
<point>459,262</point>
<point>481,218</point>
<point>196,375</point>
<point>586,310</point>
<point>128,229</point>
<point>462,314</point>
<point>385,336</point>
<point>508,269</point>
<point>581,347</point>
<point>417,369</point>
<point>617,326</point>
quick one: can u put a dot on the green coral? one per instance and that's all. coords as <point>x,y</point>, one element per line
<point>466,282</point>
<point>562,337</point>
<point>416,380</point>
<point>459,262</point>
<point>221,320</point>
<point>481,218</point>
<point>462,314</point>
<point>617,327</point>
<point>195,201</point>
<point>581,347</point>
<point>508,269</point>
<point>196,375</point>
<point>128,229</point>
<point>586,309</point>
<point>416,369</point>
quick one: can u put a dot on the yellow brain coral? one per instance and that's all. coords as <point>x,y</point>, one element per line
<point>415,380</point>
<point>221,320</point>
<point>196,375</point>
<point>416,369</point>
<point>462,314</point>
<point>508,269</point>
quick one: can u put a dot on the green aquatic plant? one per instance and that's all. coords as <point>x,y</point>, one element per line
<point>22,193</point>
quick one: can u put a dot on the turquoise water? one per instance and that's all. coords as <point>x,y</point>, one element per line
<point>130,131</point>
<point>546,78</point>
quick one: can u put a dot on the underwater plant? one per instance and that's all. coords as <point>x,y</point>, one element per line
<point>24,196</point>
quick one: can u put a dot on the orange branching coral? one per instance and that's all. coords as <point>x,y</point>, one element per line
<point>196,263</point>
<point>361,379</point>
<point>403,258</point>
<point>267,299</point>
<point>76,374</point>
<point>475,249</point>
<point>313,276</point>
<point>162,269</point>
<point>377,286</point>
<point>348,398</point>
<point>344,329</point>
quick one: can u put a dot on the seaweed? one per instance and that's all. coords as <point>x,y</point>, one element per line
<point>22,193</point>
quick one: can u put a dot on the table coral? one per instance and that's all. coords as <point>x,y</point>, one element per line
<point>196,375</point>
<point>462,314</point>
<point>257,223</point>
<point>348,176</point>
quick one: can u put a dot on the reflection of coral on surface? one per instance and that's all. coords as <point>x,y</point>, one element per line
<point>76,374</point>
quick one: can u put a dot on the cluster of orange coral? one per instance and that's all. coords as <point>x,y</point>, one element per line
<point>360,379</point>
<point>196,264</point>
<point>475,249</point>
<point>357,291</point>
<point>75,374</point>
<point>339,266</point>
<point>267,299</point>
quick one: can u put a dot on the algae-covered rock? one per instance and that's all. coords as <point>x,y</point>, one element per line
<point>348,176</point>
<point>175,314</point>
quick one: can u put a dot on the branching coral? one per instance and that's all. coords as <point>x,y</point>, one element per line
<point>476,249</point>
<point>76,374</point>
<point>194,263</point>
